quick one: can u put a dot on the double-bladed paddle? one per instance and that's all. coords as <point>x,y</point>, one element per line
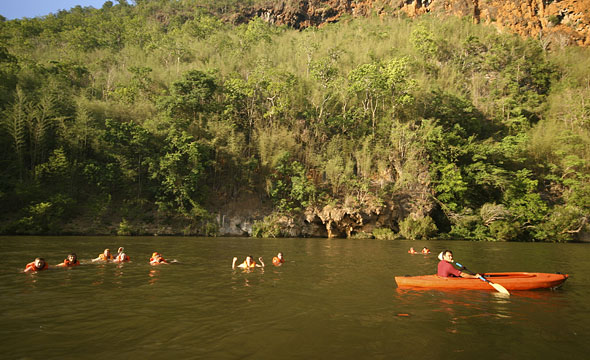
<point>498,287</point>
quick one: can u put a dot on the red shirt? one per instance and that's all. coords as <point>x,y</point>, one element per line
<point>446,269</point>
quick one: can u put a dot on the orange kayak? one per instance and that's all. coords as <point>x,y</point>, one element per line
<point>510,280</point>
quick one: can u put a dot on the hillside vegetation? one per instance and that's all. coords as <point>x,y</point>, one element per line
<point>150,118</point>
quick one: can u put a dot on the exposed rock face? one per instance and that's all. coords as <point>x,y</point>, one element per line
<point>559,22</point>
<point>234,225</point>
<point>344,220</point>
<point>236,218</point>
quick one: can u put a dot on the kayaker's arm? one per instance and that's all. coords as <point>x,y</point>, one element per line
<point>469,276</point>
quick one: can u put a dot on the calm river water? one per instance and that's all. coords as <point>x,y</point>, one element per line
<point>333,298</point>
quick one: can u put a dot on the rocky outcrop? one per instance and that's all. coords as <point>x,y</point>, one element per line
<point>234,225</point>
<point>345,220</point>
<point>559,22</point>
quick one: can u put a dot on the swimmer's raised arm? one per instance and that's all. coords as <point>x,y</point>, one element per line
<point>261,262</point>
<point>233,264</point>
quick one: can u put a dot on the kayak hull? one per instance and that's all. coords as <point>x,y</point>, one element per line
<point>509,280</point>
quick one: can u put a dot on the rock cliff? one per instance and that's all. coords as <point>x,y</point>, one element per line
<point>557,23</point>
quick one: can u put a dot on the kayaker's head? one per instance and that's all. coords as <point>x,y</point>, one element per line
<point>447,255</point>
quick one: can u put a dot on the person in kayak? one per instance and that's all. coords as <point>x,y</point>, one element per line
<point>37,265</point>
<point>249,263</point>
<point>425,250</point>
<point>157,259</point>
<point>446,268</point>
<point>69,261</point>
<point>121,256</point>
<point>278,260</point>
<point>105,256</point>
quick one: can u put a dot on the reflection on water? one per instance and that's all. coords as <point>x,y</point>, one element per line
<point>154,276</point>
<point>334,298</point>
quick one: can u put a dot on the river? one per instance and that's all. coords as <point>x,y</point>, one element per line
<point>333,298</point>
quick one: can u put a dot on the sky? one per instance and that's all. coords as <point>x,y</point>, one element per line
<point>17,9</point>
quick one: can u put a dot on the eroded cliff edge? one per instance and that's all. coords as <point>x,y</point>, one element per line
<point>557,23</point>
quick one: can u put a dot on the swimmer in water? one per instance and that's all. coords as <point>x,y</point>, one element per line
<point>69,261</point>
<point>105,256</point>
<point>249,263</point>
<point>121,256</point>
<point>157,259</point>
<point>38,265</point>
<point>278,260</point>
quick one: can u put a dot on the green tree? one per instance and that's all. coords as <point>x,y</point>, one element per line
<point>368,84</point>
<point>524,202</point>
<point>180,171</point>
<point>192,95</point>
<point>290,189</point>
<point>14,122</point>
<point>424,41</point>
<point>128,144</point>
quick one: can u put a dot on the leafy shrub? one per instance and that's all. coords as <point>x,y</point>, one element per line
<point>211,229</point>
<point>267,227</point>
<point>362,235</point>
<point>383,234</point>
<point>554,19</point>
<point>124,228</point>
<point>421,228</point>
<point>504,231</point>
<point>564,224</point>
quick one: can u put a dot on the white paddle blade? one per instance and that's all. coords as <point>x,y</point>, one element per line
<point>500,288</point>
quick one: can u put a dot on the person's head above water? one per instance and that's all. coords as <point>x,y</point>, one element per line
<point>39,263</point>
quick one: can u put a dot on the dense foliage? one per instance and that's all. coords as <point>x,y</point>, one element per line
<point>159,112</point>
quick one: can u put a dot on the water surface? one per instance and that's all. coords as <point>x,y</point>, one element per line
<point>333,298</point>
